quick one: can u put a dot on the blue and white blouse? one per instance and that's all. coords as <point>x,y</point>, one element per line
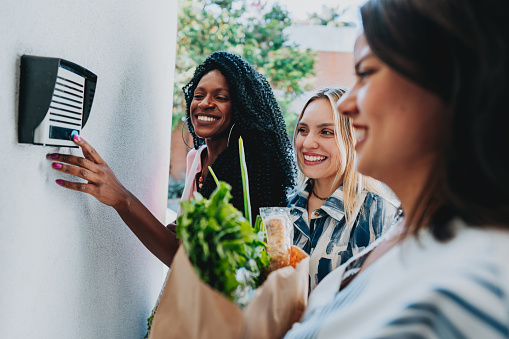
<point>421,288</point>
<point>332,242</point>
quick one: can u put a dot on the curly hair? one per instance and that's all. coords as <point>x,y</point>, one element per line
<point>258,119</point>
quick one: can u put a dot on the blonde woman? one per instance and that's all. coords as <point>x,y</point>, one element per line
<point>337,211</point>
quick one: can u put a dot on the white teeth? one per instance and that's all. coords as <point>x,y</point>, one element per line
<point>314,158</point>
<point>204,118</point>
<point>360,133</point>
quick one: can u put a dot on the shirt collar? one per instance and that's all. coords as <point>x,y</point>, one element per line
<point>332,207</point>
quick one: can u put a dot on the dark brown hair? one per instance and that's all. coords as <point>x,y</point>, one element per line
<point>458,49</point>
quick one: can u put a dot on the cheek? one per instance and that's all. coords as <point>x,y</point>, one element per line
<point>299,141</point>
<point>333,148</point>
<point>227,111</point>
<point>370,98</point>
<point>193,106</point>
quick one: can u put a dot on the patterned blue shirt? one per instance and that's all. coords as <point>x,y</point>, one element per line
<point>332,242</point>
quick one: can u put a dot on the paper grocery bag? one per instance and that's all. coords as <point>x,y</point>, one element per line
<point>189,308</point>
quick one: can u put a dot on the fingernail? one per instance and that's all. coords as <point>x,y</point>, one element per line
<point>53,156</point>
<point>60,182</point>
<point>56,165</point>
<point>77,137</point>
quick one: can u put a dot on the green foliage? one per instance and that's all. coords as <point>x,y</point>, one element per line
<point>149,322</point>
<point>218,240</point>
<point>175,188</point>
<point>254,32</point>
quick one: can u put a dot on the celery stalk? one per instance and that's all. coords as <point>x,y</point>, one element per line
<point>245,182</point>
<point>214,176</point>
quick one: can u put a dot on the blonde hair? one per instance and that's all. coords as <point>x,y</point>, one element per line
<point>354,183</point>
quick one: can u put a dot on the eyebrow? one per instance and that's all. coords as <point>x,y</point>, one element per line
<point>358,63</point>
<point>217,89</point>
<point>327,124</point>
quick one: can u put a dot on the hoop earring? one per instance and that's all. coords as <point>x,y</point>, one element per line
<point>229,134</point>
<point>184,140</point>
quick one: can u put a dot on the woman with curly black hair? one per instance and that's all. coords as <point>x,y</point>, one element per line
<point>225,99</point>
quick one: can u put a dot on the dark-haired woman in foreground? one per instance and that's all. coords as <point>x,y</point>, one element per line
<point>226,98</point>
<point>430,107</point>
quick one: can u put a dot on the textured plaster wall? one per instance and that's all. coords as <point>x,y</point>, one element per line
<point>69,267</point>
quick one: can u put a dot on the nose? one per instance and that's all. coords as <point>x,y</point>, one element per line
<point>206,103</point>
<point>347,104</point>
<point>310,142</point>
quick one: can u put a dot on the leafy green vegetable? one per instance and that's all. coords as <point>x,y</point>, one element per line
<point>218,240</point>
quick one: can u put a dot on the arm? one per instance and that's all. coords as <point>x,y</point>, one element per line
<point>104,186</point>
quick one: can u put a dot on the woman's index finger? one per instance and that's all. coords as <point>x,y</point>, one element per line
<point>88,151</point>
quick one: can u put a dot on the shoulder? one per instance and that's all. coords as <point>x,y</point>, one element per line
<point>379,201</point>
<point>194,152</point>
<point>468,293</point>
<point>449,289</point>
<point>375,204</point>
<point>299,198</point>
<point>474,262</point>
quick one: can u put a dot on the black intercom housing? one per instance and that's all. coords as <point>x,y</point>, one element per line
<point>55,100</point>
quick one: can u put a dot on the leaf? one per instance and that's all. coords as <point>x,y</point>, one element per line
<point>218,240</point>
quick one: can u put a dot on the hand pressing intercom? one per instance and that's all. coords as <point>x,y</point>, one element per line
<point>54,101</point>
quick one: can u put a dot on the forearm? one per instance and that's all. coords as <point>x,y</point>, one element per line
<point>156,237</point>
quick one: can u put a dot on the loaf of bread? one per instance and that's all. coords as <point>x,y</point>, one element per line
<point>279,230</point>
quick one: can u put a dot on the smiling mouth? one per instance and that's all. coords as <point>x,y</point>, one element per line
<point>360,134</point>
<point>206,118</point>
<point>314,158</point>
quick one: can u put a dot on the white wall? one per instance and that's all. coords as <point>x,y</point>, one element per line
<point>69,267</point>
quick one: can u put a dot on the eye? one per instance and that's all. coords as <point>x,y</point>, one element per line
<point>301,130</point>
<point>221,98</point>
<point>327,132</point>
<point>198,96</point>
<point>363,74</point>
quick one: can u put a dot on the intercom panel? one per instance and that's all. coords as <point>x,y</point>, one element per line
<point>55,100</point>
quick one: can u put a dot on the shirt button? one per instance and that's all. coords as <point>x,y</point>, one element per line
<point>317,214</point>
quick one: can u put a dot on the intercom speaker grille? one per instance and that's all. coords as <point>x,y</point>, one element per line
<point>66,109</point>
<point>65,112</point>
<point>55,100</point>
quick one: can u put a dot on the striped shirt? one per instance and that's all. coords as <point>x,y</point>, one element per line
<point>421,288</point>
<point>331,241</point>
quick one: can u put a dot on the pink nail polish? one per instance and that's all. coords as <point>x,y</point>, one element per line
<point>53,156</point>
<point>77,137</point>
<point>60,182</point>
<point>56,165</point>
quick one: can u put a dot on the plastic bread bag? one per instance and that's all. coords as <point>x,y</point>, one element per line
<point>279,228</point>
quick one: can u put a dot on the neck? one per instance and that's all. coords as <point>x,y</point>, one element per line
<point>408,187</point>
<point>324,187</point>
<point>214,148</point>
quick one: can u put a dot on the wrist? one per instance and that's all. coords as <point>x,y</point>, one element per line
<point>123,205</point>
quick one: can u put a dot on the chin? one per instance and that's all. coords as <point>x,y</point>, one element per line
<point>203,134</point>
